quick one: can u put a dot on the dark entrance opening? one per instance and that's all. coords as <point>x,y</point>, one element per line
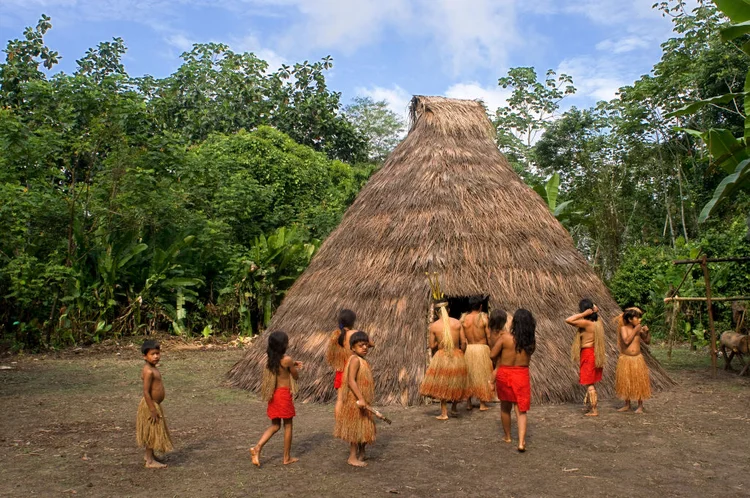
<point>459,305</point>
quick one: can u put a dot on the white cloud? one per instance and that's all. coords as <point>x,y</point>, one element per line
<point>179,41</point>
<point>493,97</point>
<point>251,43</point>
<point>397,98</point>
<point>595,78</point>
<point>624,45</point>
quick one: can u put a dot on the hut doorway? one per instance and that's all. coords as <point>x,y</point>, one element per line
<point>459,305</point>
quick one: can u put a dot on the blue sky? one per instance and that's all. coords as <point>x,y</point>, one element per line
<point>386,49</point>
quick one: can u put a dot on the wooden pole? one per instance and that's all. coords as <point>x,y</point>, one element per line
<point>714,299</point>
<point>709,260</point>
<point>704,267</point>
<point>675,312</point>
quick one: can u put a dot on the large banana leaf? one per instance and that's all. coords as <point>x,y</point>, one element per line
<point>728,186</point>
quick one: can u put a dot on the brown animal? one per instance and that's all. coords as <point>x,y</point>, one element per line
<point>738,344</point>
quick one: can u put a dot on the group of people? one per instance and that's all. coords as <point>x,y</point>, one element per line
<point>476,356</point>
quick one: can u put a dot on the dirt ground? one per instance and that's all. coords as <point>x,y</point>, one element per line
<point>68,429</point>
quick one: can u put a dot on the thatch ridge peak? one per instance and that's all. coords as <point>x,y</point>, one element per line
<point>450,116</point>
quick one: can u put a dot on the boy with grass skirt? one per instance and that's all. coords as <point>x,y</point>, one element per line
<point>477,355</point>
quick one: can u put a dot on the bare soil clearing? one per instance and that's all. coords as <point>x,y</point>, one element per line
<point>68,424</point>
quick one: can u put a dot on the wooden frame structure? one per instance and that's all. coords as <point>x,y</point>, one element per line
<point>703,262</point>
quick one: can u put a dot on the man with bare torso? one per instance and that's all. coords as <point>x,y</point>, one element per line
<point>445,378</point>
<point>477,355</point>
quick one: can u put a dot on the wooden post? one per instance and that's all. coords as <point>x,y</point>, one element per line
<point>670,340</point>
<point>704,267</point>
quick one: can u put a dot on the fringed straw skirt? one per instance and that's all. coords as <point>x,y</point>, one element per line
<point>446,376</point>
<point>632,378</point>
<point>479,369</point>
<point>353,424</point>
<point>150,434</point>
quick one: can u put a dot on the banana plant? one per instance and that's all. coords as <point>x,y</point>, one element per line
<point>549,193</point>
<point>728,153</point>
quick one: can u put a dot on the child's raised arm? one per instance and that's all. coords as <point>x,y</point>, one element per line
<point>579,320</point>
<point>352,380</point>
<point>627,334</point>
<point>496,349</point>
<point>292,365</point>
<point>148,380</point>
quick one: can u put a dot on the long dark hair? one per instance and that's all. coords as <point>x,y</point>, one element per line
<point>346,321</point>
<point>277,343</point>
<point>588,304</point>
<point>523,329</point>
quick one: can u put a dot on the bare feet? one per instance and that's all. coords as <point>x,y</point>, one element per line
<point>356,463</point>
<point>639,410</point>
<point>155,465</point>
<point>522,448</point>
<point>592,413</point>
<point>255,456</point>
<point>483,407</point>
<point>442,417</point>
<point>290,460</point>
<point>469,406</point>
<point>507,439</point>
<point>454,410</point>
<point>625,408</point>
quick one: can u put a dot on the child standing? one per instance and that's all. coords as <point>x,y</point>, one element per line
<point>150,426</point>
<point>513,384</point>
<point>338,351</point>
<point>354,422</point>
<point>588,350</point>
<point>278,386</point>
<point>632,377</point>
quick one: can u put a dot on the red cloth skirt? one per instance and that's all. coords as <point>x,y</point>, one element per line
<point>513,384</point>
<point>281,404</point>
<point>339,378</point>
<point>589,373</point>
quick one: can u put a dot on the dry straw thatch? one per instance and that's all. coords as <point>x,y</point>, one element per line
<point>446,200</point>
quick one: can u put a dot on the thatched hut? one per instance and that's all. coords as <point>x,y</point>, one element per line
<point>447,201</point>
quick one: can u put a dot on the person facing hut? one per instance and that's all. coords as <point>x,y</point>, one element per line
<point>446,375</point>
<point>354,423</point>
<point>513,350</point>
<point>338,352</point>
<point>477,355</point>
<point>588,350</point>
<point>632,381</point>
<point>150,425</point>
<point>279,385</point>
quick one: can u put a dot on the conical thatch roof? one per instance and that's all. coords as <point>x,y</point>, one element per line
<point>446,200</point>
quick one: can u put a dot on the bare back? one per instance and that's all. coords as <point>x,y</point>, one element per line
<point>475,328</point>
<point>152,381</point>
<point>505,350</point>
<point>586,329</point>
<point>436,333</point>
<point>286,372</point>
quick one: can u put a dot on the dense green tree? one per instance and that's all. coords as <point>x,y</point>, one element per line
<point>383,128</point>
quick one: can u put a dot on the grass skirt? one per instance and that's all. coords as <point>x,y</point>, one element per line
<point>446,376</point>
<point>479,369</point>
<point>150,434</point>
<point>632,378</point>
<point>354,424</point>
